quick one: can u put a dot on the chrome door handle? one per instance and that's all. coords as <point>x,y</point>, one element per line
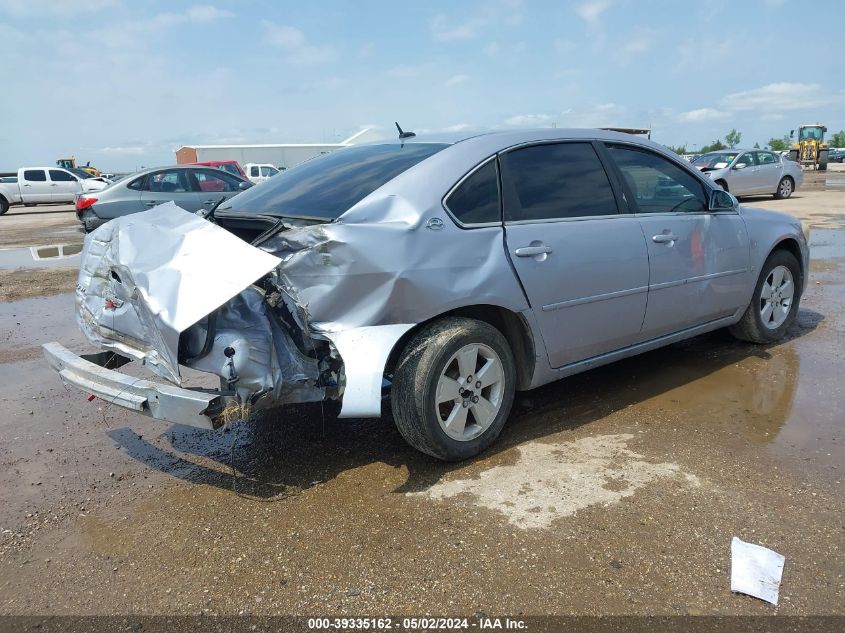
<point>664,238</point>
<point>52,184</point>
<point>152,203</point>
<point>531,251</point>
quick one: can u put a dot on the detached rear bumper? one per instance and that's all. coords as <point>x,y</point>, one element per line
<point>157,400</point>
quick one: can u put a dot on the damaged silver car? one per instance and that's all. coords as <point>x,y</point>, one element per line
<point>443,274</point>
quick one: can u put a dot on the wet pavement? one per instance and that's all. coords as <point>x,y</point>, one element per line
<point>49,256</point>
<point>615,491</point>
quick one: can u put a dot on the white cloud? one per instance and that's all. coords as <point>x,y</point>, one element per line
<point>592,10</point>
<point>506,12</point>
<point>456,80</point>
<point>445,31</point>
<point>531,120</point>
<point>642,40</point>
<point>52,8</point>
<point>294,42</point>
<point>702,114</point>
<point>206,13</point>
<point>779,97</point>
<point>283,36</point>
<point>129,150</point>
<point>458,127</point>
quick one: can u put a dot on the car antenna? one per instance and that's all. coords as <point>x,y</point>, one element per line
<point>403,134</point>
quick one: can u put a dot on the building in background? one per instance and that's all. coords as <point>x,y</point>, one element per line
<point>283,155</point>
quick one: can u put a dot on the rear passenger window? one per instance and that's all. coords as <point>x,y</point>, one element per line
<point>56,175</point>
<point>565,180</point>
<point>35,175</point>
<point>476,199</point>
<point>657,184</point>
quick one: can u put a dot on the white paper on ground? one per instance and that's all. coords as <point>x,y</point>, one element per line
<point>755,570</point>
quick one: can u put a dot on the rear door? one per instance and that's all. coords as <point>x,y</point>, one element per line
<point>581,259</point>
<point>63,185</point>
<point>212,185</point>
<point>698,259</point>
<point>34,186</point>
<point>170,185</point>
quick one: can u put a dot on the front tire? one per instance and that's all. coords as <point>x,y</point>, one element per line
<point>453,388</point>
<point>785,188</point>
<point>4,205</point>
<point>775,301</point>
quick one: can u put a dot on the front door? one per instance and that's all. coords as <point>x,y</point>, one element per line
<point>771,171</point>
<point>745,175</point>
<point>581,260</point>
<point>699,260</point>
<point>34,186</point>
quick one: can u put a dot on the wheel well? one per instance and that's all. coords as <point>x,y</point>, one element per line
<point>791,246</point>
<point>514,328</point>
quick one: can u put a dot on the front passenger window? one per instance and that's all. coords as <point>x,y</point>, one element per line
<point>657,184</point>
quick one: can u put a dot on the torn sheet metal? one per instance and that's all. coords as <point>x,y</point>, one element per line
<point>756,570</point>
<point>380,265</point>
<point>365,351</point>
<point>148,276</point>
<point>266,362</point>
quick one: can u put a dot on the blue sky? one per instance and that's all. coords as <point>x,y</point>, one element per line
<point>123,83</point>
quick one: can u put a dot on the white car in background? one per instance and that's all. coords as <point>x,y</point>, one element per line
<point>43,185</point>
<point>259,172</point>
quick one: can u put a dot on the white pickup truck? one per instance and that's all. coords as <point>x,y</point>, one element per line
<point>42,185</point>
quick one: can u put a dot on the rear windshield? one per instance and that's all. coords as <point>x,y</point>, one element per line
<point>327,186</point>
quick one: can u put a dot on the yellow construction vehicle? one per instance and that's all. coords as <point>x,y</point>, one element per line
<point>70,163</point>
<point>810,150</point>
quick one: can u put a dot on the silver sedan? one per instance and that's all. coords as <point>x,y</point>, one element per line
<point>751,172</point>
<point>192,188</point>
<point>444,273</point>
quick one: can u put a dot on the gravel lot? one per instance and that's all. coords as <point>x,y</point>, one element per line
<point>613,492</point>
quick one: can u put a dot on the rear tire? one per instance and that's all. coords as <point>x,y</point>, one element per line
<point>435,407</point>
<point>785,188</point>
<point>774,303</point>
<point>823,160</point>
<point>4,205</point>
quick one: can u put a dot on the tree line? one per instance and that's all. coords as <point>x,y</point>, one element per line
<point>734,138</point>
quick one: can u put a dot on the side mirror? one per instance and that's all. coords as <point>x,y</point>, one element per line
<point>721,200</point>
<point>243,186</point>
<point>740,166</point>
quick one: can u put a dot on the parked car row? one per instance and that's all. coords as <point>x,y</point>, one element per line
<point>751,172</point>
<point>41,185</point>
<point>191,187</point>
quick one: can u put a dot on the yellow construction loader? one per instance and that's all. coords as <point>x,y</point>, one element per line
<point>70,163</point>
<point>810,150</point>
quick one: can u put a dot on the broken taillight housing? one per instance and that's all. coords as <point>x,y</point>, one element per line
<point>83,202</point>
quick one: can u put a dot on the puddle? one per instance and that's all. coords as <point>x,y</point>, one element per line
<point>49,256</point>
<point>835,182</point>
<point>550,481</point>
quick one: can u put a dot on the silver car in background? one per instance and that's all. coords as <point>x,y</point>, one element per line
<point>444,273</point>
<point>751,172</point>
<point>192,188</point>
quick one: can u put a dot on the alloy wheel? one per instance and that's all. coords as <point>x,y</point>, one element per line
<point>470,391</point>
